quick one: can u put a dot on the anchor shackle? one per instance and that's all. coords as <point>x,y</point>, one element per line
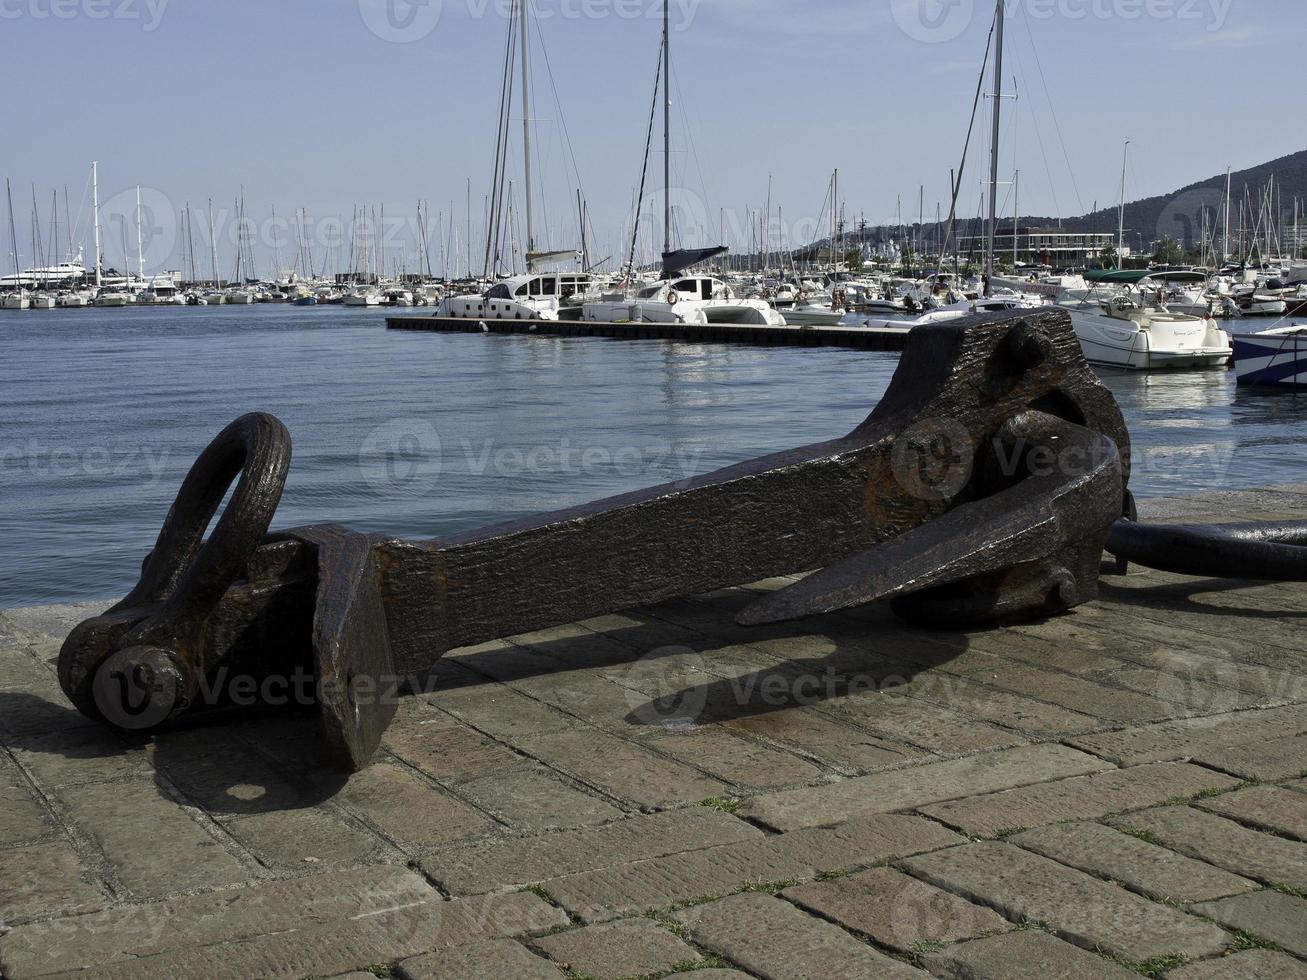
<point>141,662</point>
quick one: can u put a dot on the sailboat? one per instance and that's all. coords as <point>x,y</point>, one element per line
<point>677,297</point>
<point>80,298</point>
<point>536,295</point>
<point>18,299</point>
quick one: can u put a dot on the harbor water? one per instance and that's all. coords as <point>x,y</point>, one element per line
<point>103,411</point>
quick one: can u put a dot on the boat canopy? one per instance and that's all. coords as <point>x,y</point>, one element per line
<point>1132,277</point>
<point>1127,276</point>
<point>674,262</point>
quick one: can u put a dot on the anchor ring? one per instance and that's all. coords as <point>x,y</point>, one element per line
<point>152,642</point>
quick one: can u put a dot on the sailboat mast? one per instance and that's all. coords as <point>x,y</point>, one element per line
<point>1120,226</point>
<point>580,214</point>
<point>140,255</point>
<point>13,236</point>
<point>526,129</point>
<point>213,245</point>
<point>190,241</point>
<point>834,209</point>
<point>1225,245</point>
<point>95,206</point>
<point>68,227</point>
<point>54,226</point>
<point>667,126</point>
<point>1016,217</point>
<point>993,148</point>
<point>38,246</point>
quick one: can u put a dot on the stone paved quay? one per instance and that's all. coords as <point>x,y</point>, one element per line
<point>1115,792</point>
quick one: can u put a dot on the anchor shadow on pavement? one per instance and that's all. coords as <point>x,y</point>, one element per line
<point>686,663</point>
<point>1186,597</point>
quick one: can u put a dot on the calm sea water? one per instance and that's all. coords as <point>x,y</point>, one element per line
<point>103,411</point>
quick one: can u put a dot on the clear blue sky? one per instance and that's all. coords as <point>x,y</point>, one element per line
<point>308,104</point>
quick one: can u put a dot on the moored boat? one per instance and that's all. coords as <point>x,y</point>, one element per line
<point>1117,330</point>
<point>1275,358</point>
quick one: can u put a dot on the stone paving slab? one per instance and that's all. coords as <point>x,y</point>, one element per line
<point>1076,799</point>
<point>1268,915</point>
<point>771,938</point>
<point>1078,908</point>
<point>500,958</point>
<point>1272,808</point>
<point>306,928</point>
<point>130,821</point>
<point>1025,955</point>
<point>506,862</point>
<point>1172,740</point>
<point>132,932</point>
<point>623,769</point>
<point>896,911</point>
<point>1281,758</point>
<point>1224,843</point>
<point>697,875</point>
<point>626,948</point>
<point>540,807</point>
<point>1141,866</point>
<point>47,879</point>
<point>23,817</point>
<point>1252,964</point>
<point>914,786</point>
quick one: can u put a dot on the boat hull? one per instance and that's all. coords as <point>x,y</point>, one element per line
<point>699,312</point>
<point>1272,360</point>
<point>1175,343</point>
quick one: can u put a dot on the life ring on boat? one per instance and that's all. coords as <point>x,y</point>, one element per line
<point>673,297</point>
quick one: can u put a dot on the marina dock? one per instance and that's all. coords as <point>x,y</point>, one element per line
<point>858,338</point>
<point>1114,792</point>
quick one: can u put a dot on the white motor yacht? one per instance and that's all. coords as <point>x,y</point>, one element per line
<point>363,296</point>
<point>687,299</point>
<point>550,296</point>
<point>240,297</point>
<point>108,297</point>
<point>1118,330</point>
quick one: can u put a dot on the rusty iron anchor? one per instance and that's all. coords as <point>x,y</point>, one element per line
<point>982,487</point>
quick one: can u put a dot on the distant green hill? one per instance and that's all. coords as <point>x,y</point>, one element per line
<point>1178,214</point>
